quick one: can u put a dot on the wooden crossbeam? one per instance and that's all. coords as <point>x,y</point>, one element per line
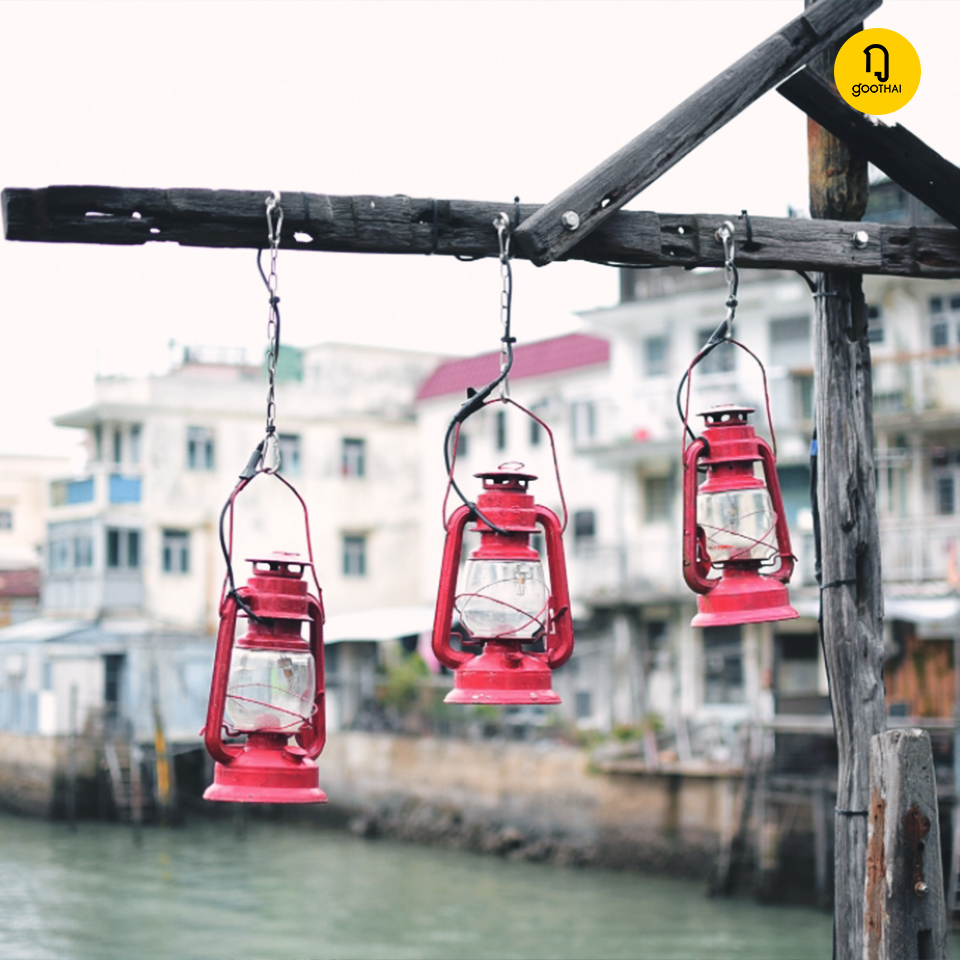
<point>399,224</point>
<point>577,211</point>
<point>906,159</point>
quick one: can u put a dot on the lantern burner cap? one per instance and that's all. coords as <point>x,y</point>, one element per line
<point>507,474</point>
<point>279,563</point>
<point>726,413</point>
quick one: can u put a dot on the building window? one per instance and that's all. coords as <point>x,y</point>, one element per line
<point>656,498</point>
<point>123,489</point>
<point>583,704</point>
<point>353,457</point>
<point>874,324</point>
<point>354,555</point>
<point>98,442</point>
<point>200,448</point>
<point>945,495</point>
<point>790,343</point>
<point>123,549</point>
<point>6,519</point>
<point>463,444</point>
<point>722,665</point>
<point>584,527</point>
<point>655,356</point>
<point>117,445</point>
<point>536,433</point>
<point>501,428</point>
<point>583,421</point>
<point>289,454</point>
<point>83,551</point>
<point>176,551</point>
<point>721,359</point>
<point>136,432</point>
<point>944,321</point>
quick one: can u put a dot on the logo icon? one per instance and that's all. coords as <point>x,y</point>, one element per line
<point>877,71</point>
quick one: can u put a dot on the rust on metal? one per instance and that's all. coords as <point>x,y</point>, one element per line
<point>876,876</point>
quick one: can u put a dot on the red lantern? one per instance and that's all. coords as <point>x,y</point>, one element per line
<point>504,604</point>
<point>268,685</point>
<point>734,521</point>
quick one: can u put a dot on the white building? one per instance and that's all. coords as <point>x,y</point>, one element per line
<point>137,533</point>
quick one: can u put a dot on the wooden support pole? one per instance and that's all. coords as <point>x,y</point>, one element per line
<point>905,158</point>
<point>851,596</point>
<point>903,901</point>
<point>580,209</point>
<point>369,224</point>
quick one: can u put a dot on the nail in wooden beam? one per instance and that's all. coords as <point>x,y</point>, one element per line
<point>580,209</point>
<point>904,912</point>
<point>920,170</point>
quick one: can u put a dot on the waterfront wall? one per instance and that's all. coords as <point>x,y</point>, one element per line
<point>34,771</point>
<point>536,801</point>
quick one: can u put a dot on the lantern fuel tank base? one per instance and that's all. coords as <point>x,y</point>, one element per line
<point>267,771</point>
<point>504,675</point>
<point>744,596</point>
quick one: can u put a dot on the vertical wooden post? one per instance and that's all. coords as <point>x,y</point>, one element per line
<point>851,596</point>
<point>71,799</point>
<point>905,917</point>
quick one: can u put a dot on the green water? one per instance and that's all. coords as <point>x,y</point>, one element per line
<point>293,891</point>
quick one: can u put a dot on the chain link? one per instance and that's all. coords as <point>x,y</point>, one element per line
<point>725,234</point>
<point>271,446</point>
<point>502,223</point>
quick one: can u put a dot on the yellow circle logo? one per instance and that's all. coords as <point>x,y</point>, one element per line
<point>877,71</point>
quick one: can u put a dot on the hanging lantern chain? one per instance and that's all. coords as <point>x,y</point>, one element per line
<point>502,223</point>
<point>266,456</point>
<point>723,334</point>
<point>270,458</point>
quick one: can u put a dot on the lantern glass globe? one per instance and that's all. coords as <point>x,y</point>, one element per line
<point>270,691</point>
<point>739,524</point>
<point>503,599</point>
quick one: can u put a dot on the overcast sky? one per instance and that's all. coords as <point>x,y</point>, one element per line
<point>469,100</point>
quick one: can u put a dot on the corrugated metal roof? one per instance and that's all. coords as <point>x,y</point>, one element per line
<point>571,352</point>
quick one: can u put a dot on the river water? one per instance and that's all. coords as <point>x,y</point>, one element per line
<point>287,890</point>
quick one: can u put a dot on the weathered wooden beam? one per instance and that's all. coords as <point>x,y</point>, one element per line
<point>580,209</point>
<point>904,915</point>
<point>372,224</point>
<point>931,178</point>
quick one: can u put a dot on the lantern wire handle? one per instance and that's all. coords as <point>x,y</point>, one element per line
<point>553,451</point>
<point>723,334</point>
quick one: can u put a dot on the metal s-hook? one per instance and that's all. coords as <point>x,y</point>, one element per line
<point>274,218</point>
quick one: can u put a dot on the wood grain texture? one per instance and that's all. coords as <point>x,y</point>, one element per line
<point>904,909</point>
<point>851,605</point>
<point>598,195</point>
<point>920,170</point>
<point>373,224</point>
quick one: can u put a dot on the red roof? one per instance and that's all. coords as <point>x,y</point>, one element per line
<point>20,583</point>
<point>571,352</point>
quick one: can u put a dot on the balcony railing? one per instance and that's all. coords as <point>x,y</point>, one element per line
<point>918,549</point>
